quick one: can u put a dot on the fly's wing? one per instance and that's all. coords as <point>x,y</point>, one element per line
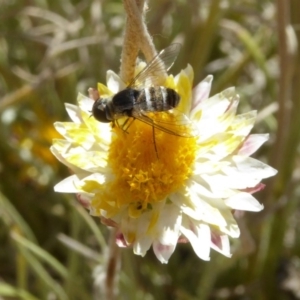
<point>172,121</point>
<point>157,67</point>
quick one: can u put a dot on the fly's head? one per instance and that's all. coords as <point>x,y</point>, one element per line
<point>100,110</point>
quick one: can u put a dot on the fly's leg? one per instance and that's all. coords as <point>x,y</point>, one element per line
<point>154,142</point>
<point>125,126</point>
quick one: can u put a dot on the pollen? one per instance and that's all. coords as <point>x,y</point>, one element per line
<point>148,165</point>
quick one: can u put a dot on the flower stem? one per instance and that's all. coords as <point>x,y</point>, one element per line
<point>136,37</point>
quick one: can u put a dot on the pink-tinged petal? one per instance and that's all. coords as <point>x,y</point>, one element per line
<point>254,189</point>
<point>120,240</point>
<point>74,113</point>
<point>201,91</point>
<point>93,93</point>
<point>220,243</point>
<point>182,240</point>
<point>69,184</point>
<point>84,200</point>
<point>238,214</point>
<point>163,252</point>
<point>243,201</point>
<point>199,236</point>
<point>109,223</point>
<point>114,83</point>
<point>252,143</point>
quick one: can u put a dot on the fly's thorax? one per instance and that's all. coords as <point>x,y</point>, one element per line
<point>124,99</point>
<point>122,103</point>
<point>157,98</point>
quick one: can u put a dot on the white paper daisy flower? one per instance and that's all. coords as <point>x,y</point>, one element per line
<point>188,191</point>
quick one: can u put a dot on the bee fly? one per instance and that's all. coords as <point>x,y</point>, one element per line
<point>146,96</point>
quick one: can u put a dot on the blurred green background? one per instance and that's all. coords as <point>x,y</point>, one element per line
<point>49,51</point>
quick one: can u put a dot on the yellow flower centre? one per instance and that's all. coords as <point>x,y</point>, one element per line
<point>148,164</point>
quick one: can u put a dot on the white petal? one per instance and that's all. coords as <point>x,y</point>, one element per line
<point>76,133</point>
<point>90,161</point>
<point>164,232</point>
<point>85,103</point>
<point>74,113</point>
<point>252,143</point>
<point>69,184</point>
<point>209,210</point>
<point>114,83</point>
<point>61,128</point>
<point>136,230</point>
<point>189,72</point>
<point>217,114</point>
<point>243,201</point>
<point>201,92</point>
<point>220,183</point>
<point>203,166</point>
<point>193,206</point>
<point>243,172</point>
<point>202,189</point>
<point>199,236</point>
<point>243,124</point>
<point>212,109</point>
<point>232,229</point>
<point>163,252</point>
<point>59,155</point>
<point>142,245</point>
<point>100,178</point>
<point>253,166</point>
<point>168,225</point>
<point>144,238</point>
<point>128,228</point>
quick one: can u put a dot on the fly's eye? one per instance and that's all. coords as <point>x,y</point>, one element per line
<point>99,111</point>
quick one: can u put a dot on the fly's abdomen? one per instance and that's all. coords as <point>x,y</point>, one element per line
<point>157,98</point>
